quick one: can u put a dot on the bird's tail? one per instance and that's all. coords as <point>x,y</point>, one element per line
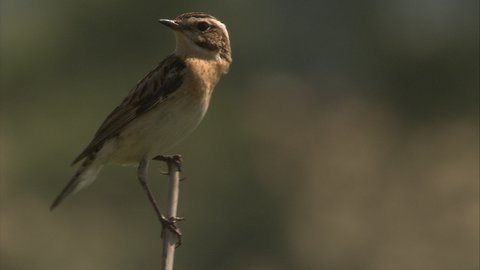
<point>84,176</point>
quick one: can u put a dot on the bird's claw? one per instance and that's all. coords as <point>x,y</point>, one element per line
<point>171,225</point>
<point>176,159</point>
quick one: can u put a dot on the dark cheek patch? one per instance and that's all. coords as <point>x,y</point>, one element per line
<point>208,42</point>
<point>206,45</point>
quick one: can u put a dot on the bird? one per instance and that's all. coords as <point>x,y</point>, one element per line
<point>164,107</point>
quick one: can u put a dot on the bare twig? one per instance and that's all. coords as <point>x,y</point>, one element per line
<point>170,239</point>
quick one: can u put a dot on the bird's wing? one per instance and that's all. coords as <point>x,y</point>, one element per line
<point>149,92</point>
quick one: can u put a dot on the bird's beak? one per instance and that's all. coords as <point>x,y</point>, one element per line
<point>171,24</point>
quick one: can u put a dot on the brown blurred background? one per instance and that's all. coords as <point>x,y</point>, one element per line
<point>344,137</point>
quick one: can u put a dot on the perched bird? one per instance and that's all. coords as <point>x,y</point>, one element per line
<point>164,107</point>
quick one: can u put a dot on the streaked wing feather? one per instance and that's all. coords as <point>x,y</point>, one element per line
<point>149,92</point>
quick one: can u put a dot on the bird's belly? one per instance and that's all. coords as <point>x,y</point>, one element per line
<point>156,131</point>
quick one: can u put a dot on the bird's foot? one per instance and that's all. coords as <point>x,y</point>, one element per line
<point>175,159</point>
<point>171,225</point>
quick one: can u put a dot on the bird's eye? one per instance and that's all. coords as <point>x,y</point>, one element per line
<point>203,26</point>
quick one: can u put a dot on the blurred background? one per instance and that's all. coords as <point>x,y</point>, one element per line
<point>344,137</point>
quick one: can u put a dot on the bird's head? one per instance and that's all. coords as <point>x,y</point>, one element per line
<point>201,35</point>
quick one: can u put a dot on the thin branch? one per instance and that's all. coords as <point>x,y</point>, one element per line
<point>171,240</point>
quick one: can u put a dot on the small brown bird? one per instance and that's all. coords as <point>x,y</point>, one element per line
<point>164,107</point>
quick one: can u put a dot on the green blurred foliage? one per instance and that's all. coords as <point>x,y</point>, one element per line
<point>344,137</point>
